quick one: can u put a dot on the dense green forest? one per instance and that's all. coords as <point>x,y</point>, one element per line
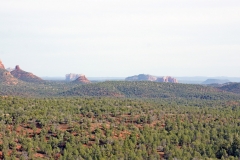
<point>118,128</point>
<point>126,89</point>
<point>232,87</point>
<point>146,89</point>
<point>118,120</point>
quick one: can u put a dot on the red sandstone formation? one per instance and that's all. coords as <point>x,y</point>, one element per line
<point>6,77</point>
<point>1,65</point>
<point>25,76</point>
<point>82,79</point>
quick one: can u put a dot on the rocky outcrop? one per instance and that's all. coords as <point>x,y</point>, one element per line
<point>146,77</point>
<point>82,79</point>
<point>25,76</point>
<point>1,65</point>
<point>5,77</point>
<point>167,79</point>
<point>72,76</point>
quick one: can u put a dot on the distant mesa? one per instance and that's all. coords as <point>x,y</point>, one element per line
<point>72,77</point>
<point>82,79</point>
<point>147,77</point>
<point>216,81</point>
<point>141,77</point>
<point>25,76</point>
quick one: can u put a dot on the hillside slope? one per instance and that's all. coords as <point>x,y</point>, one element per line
<point>149,90</point>
<point>116,89</point>
<point>232,87</point>
<point>25,76</point>
<point>43,89</point>
<point>6,78</point>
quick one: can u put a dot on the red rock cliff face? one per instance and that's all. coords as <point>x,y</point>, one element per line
<point>1,65</point>
<point>6,77</point>
<point>82,79</point>
<point>25,76</point>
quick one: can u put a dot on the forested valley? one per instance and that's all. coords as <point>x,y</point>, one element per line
<point>96,128</point>
<point>125,89</point>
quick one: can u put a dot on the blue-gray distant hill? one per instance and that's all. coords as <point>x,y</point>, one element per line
<point>148,89</point>
<point>216,81</point>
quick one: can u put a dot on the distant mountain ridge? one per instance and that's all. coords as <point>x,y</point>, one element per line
<point>216,81</point>
<point>147,77</point>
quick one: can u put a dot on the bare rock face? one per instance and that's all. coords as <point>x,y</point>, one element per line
<point>167,79</point>
<point>82,79</point>
<point>6,77</point>
<point>146,77</point>
<point>25,76</point>
<point>1,65</point>
<point>17,67</point>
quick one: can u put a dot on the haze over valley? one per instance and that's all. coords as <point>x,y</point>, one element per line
<point>120,80</point>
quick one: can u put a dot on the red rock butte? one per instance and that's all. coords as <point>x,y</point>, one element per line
<point>17,67</point>
<point>82,79</point>
<point>1,65</point>
<point>25,76</point>
<point>6,77</point>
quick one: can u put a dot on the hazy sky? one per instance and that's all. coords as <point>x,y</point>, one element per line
<point>119,38</point>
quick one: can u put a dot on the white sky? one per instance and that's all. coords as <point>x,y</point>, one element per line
<point>119,38</point>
